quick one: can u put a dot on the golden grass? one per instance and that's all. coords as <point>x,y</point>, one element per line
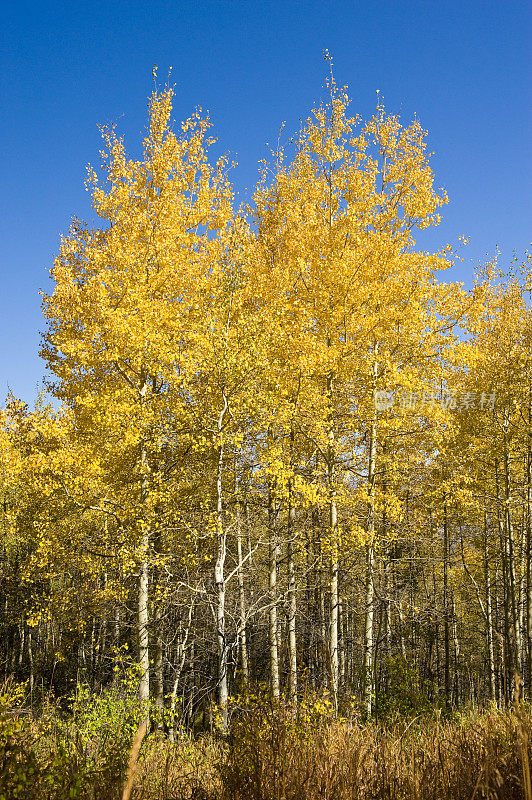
<point>269,755</point>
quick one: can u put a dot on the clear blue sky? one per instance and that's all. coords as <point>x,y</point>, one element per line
<point>464,68</point>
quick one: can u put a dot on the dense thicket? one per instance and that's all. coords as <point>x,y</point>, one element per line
<point>286,451</point>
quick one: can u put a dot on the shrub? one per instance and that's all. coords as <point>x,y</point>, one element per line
<point>404,695</point>
<point>20,772</point>
<point>89,745</point>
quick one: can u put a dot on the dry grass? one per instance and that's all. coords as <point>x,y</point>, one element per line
<point>186,770</point>
<point>272,754</point>
<point>269,755</point>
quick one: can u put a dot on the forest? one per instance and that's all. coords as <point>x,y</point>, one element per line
<point>268,532</point>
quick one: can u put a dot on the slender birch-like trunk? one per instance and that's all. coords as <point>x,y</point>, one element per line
<point>158,666</point>
<point>273,554</point>
<point>292,599</point>
<point>509,544</point>
<point>241,588</point>
<point>528,593</point>
<point>333,545</point>
<point>446,612</point>
<point>341,640</point>
<point>489,614</point>
<point>30,659</point>
<point>311,605</point>
<point>368,675</point>
<point>219,578</point>
<point>144,656</point>
<point>180,663</point>
<point>507,649</point>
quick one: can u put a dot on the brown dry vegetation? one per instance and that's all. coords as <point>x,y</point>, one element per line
<point>269,753</point>
<point>270,756</point>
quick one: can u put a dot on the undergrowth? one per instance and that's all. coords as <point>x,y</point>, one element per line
<point>270,752</point>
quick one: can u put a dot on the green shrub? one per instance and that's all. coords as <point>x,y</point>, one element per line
<point>89,745</point>
<point>20,772</point>
<point>404,695</point>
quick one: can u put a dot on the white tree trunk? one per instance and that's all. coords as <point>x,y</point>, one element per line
<point>368,676</point>
<point>219,578</point>
<point>273,556</point>
<point>333,544</point>
<point>292,602</point>
<point>241,588</point>
<point>144,656</point>
<point>180,659</point>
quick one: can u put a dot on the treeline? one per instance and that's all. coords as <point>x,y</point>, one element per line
<point>282,450</point>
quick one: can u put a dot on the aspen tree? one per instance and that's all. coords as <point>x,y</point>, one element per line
<point>335,233</point>
<point>116,317</point>
<point>222,452</point>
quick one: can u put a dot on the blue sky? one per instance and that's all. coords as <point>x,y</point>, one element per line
<point>464,68</point>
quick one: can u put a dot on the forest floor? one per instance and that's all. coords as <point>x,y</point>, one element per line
<point>271,753</point>
<point>482,755</point>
